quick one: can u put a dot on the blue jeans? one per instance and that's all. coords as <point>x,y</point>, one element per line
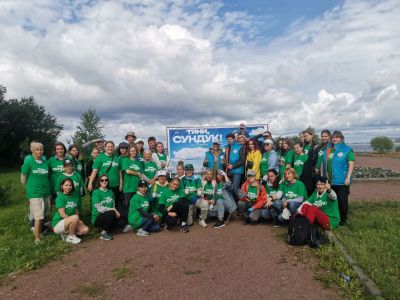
<point>149,225</point>
<point>272,213</point>
<point>292,206</point>
<point>236,181</point>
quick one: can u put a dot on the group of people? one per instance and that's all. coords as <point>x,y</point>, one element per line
<point>131,186</point>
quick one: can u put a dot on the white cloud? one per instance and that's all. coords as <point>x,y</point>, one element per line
<point>145,65</point>
<point>190,153</point>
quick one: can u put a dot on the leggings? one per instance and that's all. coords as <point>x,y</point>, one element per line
<point>107,220</point>
<point>181,208</point>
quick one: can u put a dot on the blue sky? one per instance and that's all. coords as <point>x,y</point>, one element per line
<point>148,64</point>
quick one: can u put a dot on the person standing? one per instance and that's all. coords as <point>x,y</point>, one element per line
<point>287,155</point>
<point>35,180</point>
<point>149,167</point>
<point>74,156</point>
<point>324,142</point>
<point>215,158</point>
<point>243,131</point>
<point>160,157</point>
<point>270,159</point>
<point>130,137</point>
<point>253,158</point>
<point>235,159</point>
<point>151,141</point>
<point>56,165</point>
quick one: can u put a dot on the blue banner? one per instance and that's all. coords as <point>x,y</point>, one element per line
<point>190,144</point>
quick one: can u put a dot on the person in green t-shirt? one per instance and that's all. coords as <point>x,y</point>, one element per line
<point>322,206</point>
<point>174,206</point>
<point>139,216</point>
<point>74,155</point>
<point>56,167</point>
<point>208,192</point>
<point>287,155</point>
<point>35,180</point>
<point>273,207</point>
<point>66,221</point>
<point>158,188</point>
<point>324,141</point>
<point>160,157</point>
<point>104,213</point>
<point>149,167</point>
<point>140,147</point>
<point>300,158</point>
<point>293,192</point>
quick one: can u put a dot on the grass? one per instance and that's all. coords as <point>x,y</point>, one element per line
<point>120,273</point>
<point>93,289</point>
<point>372,237</point>
<point>18,252</point>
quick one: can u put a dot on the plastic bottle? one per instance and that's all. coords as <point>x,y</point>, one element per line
<point>345,278</point>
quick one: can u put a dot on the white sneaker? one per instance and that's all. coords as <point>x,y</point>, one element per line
<point>142,232</point>
<point>127,228</point>
<point>73,239</point>
<point>64,236</point>
<point>202,223</point>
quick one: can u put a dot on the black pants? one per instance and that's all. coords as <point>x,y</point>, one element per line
<point>107,220</point>
<point>342,192</point>
<point>117,197</point>
<point>181,208</point>
<point>125,204</point>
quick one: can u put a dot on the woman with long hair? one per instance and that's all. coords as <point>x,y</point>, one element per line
<point>253,158</point>
<point>160,157</point>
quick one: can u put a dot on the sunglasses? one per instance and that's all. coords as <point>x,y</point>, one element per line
<point>103,180</point>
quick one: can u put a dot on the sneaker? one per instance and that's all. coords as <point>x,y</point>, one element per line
<point>73,239</point>
<point>185,228</point>
<point>142,232</point>
<point>105,236</point>
<point>219,224</point>
<point>127,228</point>
<point>202,223</point>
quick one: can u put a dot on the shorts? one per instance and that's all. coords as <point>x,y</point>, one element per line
<point>60,228</point>
<point>39,208</point>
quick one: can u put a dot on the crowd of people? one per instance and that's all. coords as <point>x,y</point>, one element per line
<point>130,186</point>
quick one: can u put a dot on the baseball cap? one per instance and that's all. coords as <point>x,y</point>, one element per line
<point>242,126</point>
<point>130,133</point>
<point>142,183</point>
<point>161,173</point>
<point>139,140</point>
<point>268,141</point>
<point>67,161</point>
<point>189,167</point>
<point>216,141</point>
<point>251,173</point>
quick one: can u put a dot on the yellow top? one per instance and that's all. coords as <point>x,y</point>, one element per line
<point>254,156</point>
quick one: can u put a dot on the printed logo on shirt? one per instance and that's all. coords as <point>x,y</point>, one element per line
<point>150,169</point>
<point>145,204</point>
<point>331,155</point>
<point>340,154</point>
<point>219,191</point>
<point>306,151</point>
<point>291,195</point>
<point>319,203</point>
<point>107,164</point>
<point>134,167</point>
<point>173,198</point>
<point>251,195</point>
<point>298,163</point>
<point>107,200</point>
<point>40,171</point>
<point>320,153</point>
<point>70,205</point>
<point>58,169</point>
<point>235,151</point>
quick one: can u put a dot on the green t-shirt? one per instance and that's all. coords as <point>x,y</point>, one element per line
<point>169,197</point>
<point>208,190</point>
<point>56,168</point>
<point>292,191</point>
<point>37,184</point>
<point>102,163</point>
<point>350,157</point>
<point>328,206</point>
<point>149,169</point>
<point>106,198</point>
<point>320,155</point>
<point>286,159</point>
<point>307,148</point>
<point>252,192</point>
<point>270,189</point>
<point>192,185</point>
<point>157,190</point>
<point>77,163</point>
<point>264,167</point>
<point>78,184</point>
<point>131,181</point>
<point>138,201</point>
<point>219,191</point>
<point>69,202</point>
<point>298,163</point>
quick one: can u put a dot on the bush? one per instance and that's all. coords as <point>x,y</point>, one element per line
<point>382,144</point>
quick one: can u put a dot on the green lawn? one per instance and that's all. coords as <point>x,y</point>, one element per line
<point>372,237</point>
<point>17,249</point>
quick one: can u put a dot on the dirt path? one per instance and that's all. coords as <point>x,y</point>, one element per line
<point>375,191</point>
<point>383,162</point>
<point>233,262</point>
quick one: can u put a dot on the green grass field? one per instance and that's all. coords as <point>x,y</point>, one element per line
<point>17,249</point>
<point>373,239</point>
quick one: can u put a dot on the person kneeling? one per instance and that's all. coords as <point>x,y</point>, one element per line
<point>139,217</point>
<point>66,220</point>
<point>322,206</point>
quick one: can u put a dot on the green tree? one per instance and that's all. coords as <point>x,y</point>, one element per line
<point>382,144</point>
<point>89,128</point>
<point>22,121</point>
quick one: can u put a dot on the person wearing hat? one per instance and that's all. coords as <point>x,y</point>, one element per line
<point>140,147</point>
<point>149,167</point>
<point>293,193</point>
<point>215,158</point>
<point>191,186</point>
<point>270,159</point>
<point>174,206</point>
<point>139,216</point>
<point>76,178</point>
<point>235,158</point>
<point>130,137</point>
<point>322,206</point>
<point>158,188</point>
<point>252,198</point>
<point>243,131</point>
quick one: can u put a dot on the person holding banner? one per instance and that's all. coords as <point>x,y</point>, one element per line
<point>215,158</point>
<point>235,159</point>
<point>160,157</point>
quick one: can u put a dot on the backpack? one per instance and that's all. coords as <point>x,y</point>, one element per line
<point>299,230</point>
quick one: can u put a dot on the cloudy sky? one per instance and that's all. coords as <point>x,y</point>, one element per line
<point>148,64</point>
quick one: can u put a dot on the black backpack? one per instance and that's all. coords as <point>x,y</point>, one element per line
<point>298,230</point>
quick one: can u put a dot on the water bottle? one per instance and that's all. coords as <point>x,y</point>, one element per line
<point>345,278</point>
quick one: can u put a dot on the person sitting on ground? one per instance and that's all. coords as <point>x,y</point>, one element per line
<point>174,206</point>
<point>215,157</point>
<point>66,221</point>
<point>293,194</point>
<point>322,206</point>
<point>158,188</point>
<point>35,180</point>
<point>104,214</point>
<point>191,186</point>
<point>139,216</point>
<point>160,157</point>
<point>76,178</point>
<point>149,167</point>
<point>273,207</point>
<point>223,197</point>
<point>253,198</point>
